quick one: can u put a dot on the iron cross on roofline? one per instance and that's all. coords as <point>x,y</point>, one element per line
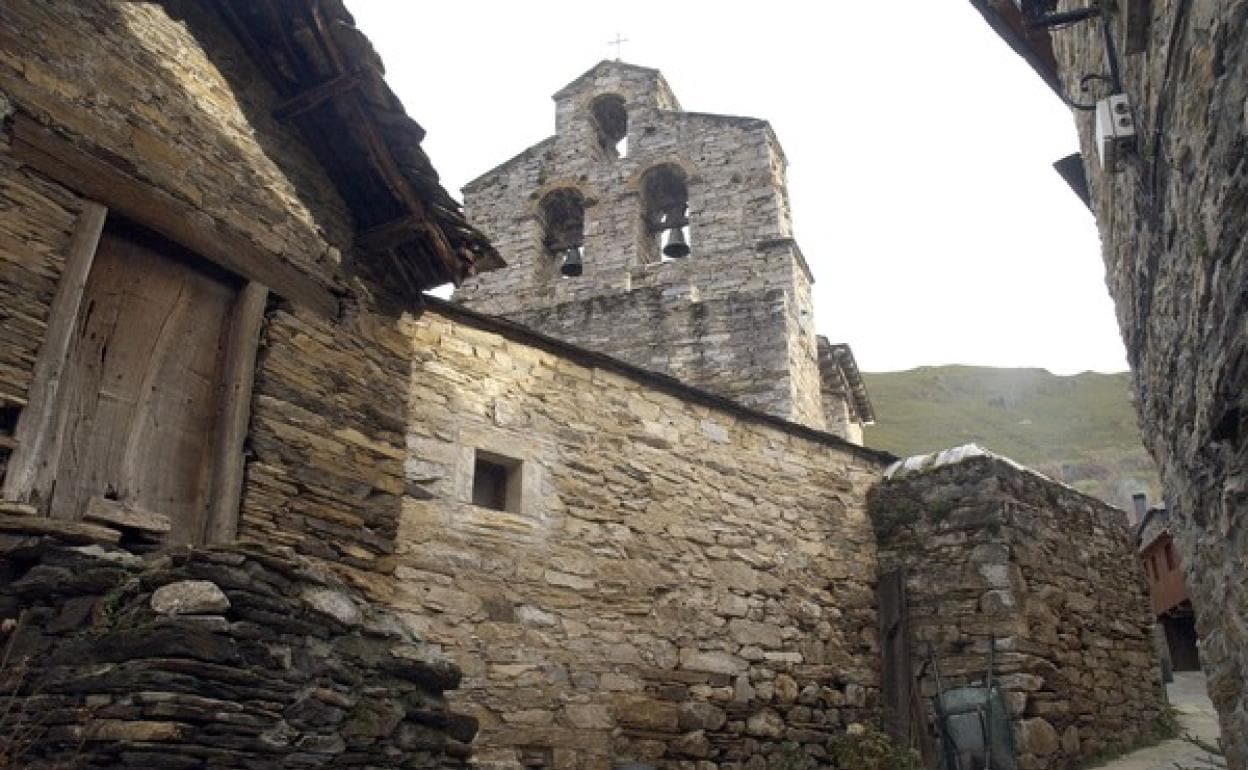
<point>619,44</point>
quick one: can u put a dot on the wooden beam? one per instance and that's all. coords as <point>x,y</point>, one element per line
<point>383,160</point>
<point>388,235</point>
<point>157,210</point>
<point>235,417</point>
<point>1138,17</point>
<point>123,516</point>
<point>32,467</point>
<point>316,96</point>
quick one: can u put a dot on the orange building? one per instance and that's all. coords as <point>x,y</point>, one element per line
<point>1167,591</point>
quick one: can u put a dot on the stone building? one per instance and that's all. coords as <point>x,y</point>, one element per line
<point>1172,212</point>
<point>661,575</point>
<point>626,171</point>
<point>255,484</point>
<point>209,216</point>
<point>995,554</point>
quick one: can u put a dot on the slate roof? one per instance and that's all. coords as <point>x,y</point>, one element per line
<point>411,233</point>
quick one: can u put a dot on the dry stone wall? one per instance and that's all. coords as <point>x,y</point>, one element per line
<point>740,231</point>
<point>325,471</point>
<point>678,581</point>
<point>995,552</point>
<point>36,219</point>
<point>231,657</point>
<point>165,90</point>
<point>1174,226</point>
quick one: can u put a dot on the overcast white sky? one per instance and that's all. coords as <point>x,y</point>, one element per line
<point>919,147</point>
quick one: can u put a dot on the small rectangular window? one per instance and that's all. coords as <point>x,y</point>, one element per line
<point>496,482</point>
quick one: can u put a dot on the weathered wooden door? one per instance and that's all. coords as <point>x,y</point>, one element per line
<point>143,381</point>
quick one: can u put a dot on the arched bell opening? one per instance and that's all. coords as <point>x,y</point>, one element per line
<point>562,217</point>
<point>610,119</point>
<point>665,214</point>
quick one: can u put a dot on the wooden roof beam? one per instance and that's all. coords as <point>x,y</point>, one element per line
<point>316,96</point>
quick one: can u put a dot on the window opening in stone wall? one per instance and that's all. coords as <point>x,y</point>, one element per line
<point>496,482</point>
<point>665,214</point>
<point>536,757</point>
<point>1169,557</point>
<point>610,119</point>
<point>563,230</point>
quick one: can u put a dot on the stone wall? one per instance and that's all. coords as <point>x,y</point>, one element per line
<point>742,297</point>
<point>36,219</point>
<point>224,657</point>
<point>1174,226</point>
<point>993,551</point>
<point>676,579</point>
<point>167,92</point>
<point>325,468</point>
<point>665,331</point>
<point>169,95</point>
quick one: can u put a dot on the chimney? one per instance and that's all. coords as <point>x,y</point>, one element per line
<point>1140,501</point>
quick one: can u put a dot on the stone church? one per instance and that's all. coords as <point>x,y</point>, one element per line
<point>626,171</point>
<point>266,504</point>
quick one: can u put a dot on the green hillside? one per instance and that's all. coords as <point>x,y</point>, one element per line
<point>1079,429</point>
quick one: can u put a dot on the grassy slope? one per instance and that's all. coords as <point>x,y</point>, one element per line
<point>1079,429</point>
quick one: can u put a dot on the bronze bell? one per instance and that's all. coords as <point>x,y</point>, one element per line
<point>572,265</point>
<point>676,247</point>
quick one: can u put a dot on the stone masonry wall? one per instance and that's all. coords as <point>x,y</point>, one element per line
<point>229,657</point>
<point>165,89</point>
<point>36,219</point>
<point>325,470</point>
<point>676,581</point>
<point>664,331</point>
<point>740,235</point>
<point>1174,226</point>
<point>992,551</point>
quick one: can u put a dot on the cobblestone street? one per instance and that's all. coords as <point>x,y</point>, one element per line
<point>1196,715</point>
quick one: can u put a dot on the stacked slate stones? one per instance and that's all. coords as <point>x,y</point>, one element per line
<point>233,657</point>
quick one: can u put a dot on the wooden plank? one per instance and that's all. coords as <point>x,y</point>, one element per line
<point>143,384</point>
<point>157,210</point>
<point>316,96</point>
<point>33,465</point>
<point>904,716</point>
<point>1138,18</point>
<point>387,235</point>
<point>240,369</point>
<point>895,656</point>
<point>118,515</point>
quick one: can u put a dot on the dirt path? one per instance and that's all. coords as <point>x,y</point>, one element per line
<point>1187,695</point>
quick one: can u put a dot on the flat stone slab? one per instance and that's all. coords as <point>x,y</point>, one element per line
<point>190,597</point>
<point>14,508</point>
<point>75,532</point>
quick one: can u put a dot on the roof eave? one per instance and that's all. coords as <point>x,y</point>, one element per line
<point>1034,45</point>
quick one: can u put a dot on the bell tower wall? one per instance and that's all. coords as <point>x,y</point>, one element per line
<point>733,317</point>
